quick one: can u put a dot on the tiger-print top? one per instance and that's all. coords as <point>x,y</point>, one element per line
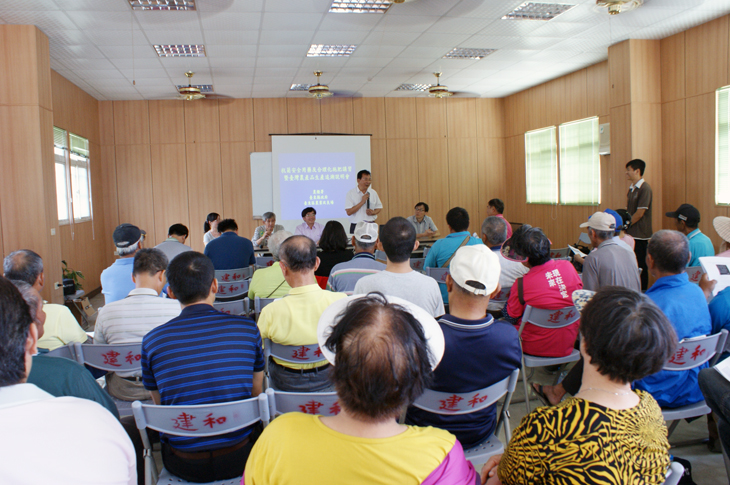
<point>580,442</point>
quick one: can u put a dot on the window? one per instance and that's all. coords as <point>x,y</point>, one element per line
<point>722,146</point>
<point>580,166</point>
<point>73,191</point>
<point>541,166</point>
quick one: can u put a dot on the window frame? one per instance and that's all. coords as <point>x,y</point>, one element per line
<point>72,158</point>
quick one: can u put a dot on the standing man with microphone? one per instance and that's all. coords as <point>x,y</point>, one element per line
<point>362,203</point>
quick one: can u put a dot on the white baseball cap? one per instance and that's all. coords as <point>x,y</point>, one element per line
<point>476,269</point>
<point>366,232</point>
<point>601,221</point>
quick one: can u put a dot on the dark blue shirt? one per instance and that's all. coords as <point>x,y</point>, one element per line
<point>202,357</point>
<point>230,251</point>
<point>478,353</point>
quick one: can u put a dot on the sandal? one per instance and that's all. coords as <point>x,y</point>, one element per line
<point>537,389</point>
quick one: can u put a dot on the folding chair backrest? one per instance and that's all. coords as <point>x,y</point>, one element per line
<point>232,282</point>
<point>466,402</point>
<point>562,253</point>
<point>694,273</point>
<point>584,238</point>
<point>417,263</point>
<point>202,420</point>
<point>695,351</point>
<point>541,317</point>
<point>295,354</point>
<point>234,307</point>
<point>323,403</point>
<point>264,261</point>
<point>439,274</point>
<point>260,303</point>
<point>66,351</point>
<point>111,358</point>
<point>502,296</point>
<point>380,255</point>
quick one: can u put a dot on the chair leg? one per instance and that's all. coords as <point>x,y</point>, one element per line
<point>150,468</point>
<point>672,427</point>
<point>525,382</point>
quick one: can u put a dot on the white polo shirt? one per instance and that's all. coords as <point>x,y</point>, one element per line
<point>354,197</point>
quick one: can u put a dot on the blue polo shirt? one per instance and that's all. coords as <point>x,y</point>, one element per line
<point>202,357</point>
<point>478,353</point>
<point>700,246</point>
<point>230,251</point>
<point>442,250</point>
<point>685,306</point>
<point>116,280</point>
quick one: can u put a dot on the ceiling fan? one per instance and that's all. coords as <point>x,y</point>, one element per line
<point>319,90</point>
<point>191,93</point>
<point>616,7</point>
<point>439,91</point>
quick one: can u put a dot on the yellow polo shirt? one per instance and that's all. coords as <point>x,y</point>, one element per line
<point>60,328</point>
<point>268,283</point>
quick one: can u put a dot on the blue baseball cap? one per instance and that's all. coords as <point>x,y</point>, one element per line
<point>619,219</point>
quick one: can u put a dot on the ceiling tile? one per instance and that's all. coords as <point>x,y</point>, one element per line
<point>44,20</point>
<point>232,21</point>
<point>76,51</point>
<point>459,25</point>
<point>174,37</point>
<point>345,21</point>
<point>411,23</point>
<point>290,37</point>
<point>512,27</point>
<point>232,37</point>
<point>377,50</point>
<point>283,72</point>
<point>167,20</point>
<point>391,38</point>
<point>206,6</point>
<point>235,62</point>
<point>92,5</point>
<point>368,62</point>
<point>102,20</point>
<point>283,22</point>
<point>213,51</point>
<point>120,52</point>
<point>339,37</point>
<point>136,63</point>
<point>419,52</point>
<point>299,6</point>
<point>221,73</point>
<point>278,61</point>
<point>422,7</point>
<point>117,37</point>
<point>433,39</point>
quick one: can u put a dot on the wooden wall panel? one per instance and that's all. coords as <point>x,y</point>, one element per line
<point>645,62</point>
<point>574,89</point>
<point>619,74</point>
<point>303,115</point>
<point>131,123</point>
<point>402,166</point>
<point>674,162</point>
<point>202,121</point>
<point>432,179</point>
<point>597,90</point>
<point>461,116</point>
<point>110,200</point>
<point>134,188</point>
<point>557,105</point>
<point>170,194</point>
<point>52,253</point>
<point>236,119</point>
<point>74,110</point>
<point>379,170</point>
<point>20,58</point>
<point>167,121</point>
<point>646,124</point>
<point>491,173</point>
<point>204,187</point>
<point>463,175</point>
<point>369,116</point>
<point>269,117</point>
<point>106,123</point>
<point>490,117</point>
<point>537,115</point>
<point>620,150</point>
<point>400,118</point>
<point>42,61</point>
<point>673,67</point>
<point>236,180</point>
<point>515,191</point>
<point>706,51</point>
<point>430,118</point>
<point>337,115</point>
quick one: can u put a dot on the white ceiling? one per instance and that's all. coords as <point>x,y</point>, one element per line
<point>257,48</point>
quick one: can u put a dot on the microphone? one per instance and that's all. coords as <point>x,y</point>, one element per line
<point>367,202</point>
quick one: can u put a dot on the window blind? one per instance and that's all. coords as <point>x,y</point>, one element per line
<point>580,166</point>
<point>541,166</point>
<point>722,146</point>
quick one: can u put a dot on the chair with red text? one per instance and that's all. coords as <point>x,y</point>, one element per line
<point>293,354</point>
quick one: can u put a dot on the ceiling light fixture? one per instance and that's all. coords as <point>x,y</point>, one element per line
<point>439,91</point>
<point>537,11</point>
<point>203,88</point>
<point>616,7</point>
<point>300,87</point>
<point>162,4</point>
<point>468,53</point>
<point>360,6</point>
<point>165,50</point>
<point>326,50</point>
<point>318,90</point>
<point>413,87</point>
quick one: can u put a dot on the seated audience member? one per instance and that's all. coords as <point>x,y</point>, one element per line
<point>57,376</point>
<point>127,321</point>
<point>210,228</point>
<point>344,276</point>
<point>41,433</point>
<point>686,309</point>
<point>229,250</point>
<point>479,351</point>
<point>224,362</point>
<point>610,264</point>
<point>715,388</point>
<point>444,249</point>
<point>548,284</point>
<point>269,282</point>
<point>261,234</point>
<point>422,223</point>
<point>293,320</point>
<point>495,207</point>
<point>722,227</point>
<point>333,244</point>
<point>116,280</point>
<point>382,355</point>
<point>623,235</point>
<point>687,219</point>
<point>61,327</point>
<point>175,242</point>
<point>309,228</point>
<point>619,229</point>
<point>398,240</point>
<point>607,433</point>
<point>494,234</point>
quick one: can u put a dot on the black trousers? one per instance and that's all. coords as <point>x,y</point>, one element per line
<point>640,251</point>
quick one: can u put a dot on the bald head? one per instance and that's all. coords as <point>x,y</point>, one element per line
<point>669,250</point>
<point>24,265</point>
<point>299,254</point>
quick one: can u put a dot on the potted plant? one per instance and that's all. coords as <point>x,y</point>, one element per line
<point>71,279</point>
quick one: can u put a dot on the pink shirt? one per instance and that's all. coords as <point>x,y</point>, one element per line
<point>314,233</point>
<point>509,226</point>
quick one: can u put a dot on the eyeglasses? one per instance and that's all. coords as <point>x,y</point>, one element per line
<point>420,210</point>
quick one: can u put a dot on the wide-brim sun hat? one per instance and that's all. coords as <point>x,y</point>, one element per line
<point>722,226</point>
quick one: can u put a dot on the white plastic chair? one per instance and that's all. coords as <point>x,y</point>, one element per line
<point>555,319</point>
<point>439,274</point>
<point>259,304</point>
<point>322,403</point>
<point>447,403</point>
<point>66,351</point>
<point>293,354</point>
<point>417,263</point>
<point>380,255</point>
<point>674,474</point>
<point>226,417</point>
<point>562,253</point>
<point>425,251</point>
<point>233,283</point>
<point>264,261</point>
<point>694,273</point>
<point>233,307</point>
<point>691,353</point>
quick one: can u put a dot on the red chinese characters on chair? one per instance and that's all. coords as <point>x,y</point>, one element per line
<point>184,422</point>
<point>110,358</point>
<point>131,358</point>
<point>211,420</point>
<point>311,407</point>
<point>477,399</point>
<point>451,402</point>
<point>300,353</point>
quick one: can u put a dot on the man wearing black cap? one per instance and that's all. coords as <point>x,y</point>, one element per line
<point>688,218</point>
<point>116,280</point>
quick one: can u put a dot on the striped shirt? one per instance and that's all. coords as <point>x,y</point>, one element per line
<point>127,321</point>
<point>202,357</point>
<point>344,276</point>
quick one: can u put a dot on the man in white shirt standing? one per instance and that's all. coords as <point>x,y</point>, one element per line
<point>362,203</point>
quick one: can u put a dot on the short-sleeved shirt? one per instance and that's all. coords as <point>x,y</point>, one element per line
<point>172,247</point>
<point>116,280</point>
<point>699,247</point>
<point>230,251</point>
<point>344,276</point>
<point>293,320</point>
<point>443,249</point>
<point>478,353</point>
<point>354,197</point>
<point>720,311</point>
<point>423,226</point>
<point>202,357</point>
<point>639,197</point>
<point>509,226</point>
<point>413,286</point>
<point>261,230</point>
<point>611,265</point>
<point>61,328</point>
<point>549,286</point>
<point>314,233</point>
<point>268,283</point>
<point>578,441</point>
<point>510,271</point>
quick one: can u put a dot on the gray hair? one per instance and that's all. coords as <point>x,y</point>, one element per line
<point>275,241</point>
<point>495,229</point>
<point>23,265</point>
<point>669,250</point>
<point>31,297</point>
<point>129,249</point>
<point>365,246</point>
<point>269,215</point>
<point>602,235</point>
